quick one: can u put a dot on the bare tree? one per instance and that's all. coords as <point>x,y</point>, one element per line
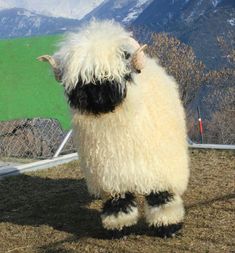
<point>227,46</point>
<point>220,128</point>
<point>180,62</point>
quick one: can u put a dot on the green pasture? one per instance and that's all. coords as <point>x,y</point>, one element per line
<point>27,86</point>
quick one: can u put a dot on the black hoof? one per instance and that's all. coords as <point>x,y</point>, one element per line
<point>168,231</point>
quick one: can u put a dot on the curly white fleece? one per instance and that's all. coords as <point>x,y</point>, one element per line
<point>96,52</point>
<point>141,146</point>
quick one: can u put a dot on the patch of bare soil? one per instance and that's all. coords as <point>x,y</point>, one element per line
<point>51,211</point>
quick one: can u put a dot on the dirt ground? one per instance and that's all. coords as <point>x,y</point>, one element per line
<point>51,212</point>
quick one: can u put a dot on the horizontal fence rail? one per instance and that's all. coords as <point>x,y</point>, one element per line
<point>45,164</point>
<point>39,165</point>
<point>212,146</point>
<point>24,141</point>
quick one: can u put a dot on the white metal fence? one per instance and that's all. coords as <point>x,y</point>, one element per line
<point>22,141</point>
<point>38,138</point>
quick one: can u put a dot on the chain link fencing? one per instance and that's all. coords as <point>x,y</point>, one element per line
<point>27,140</point>
<point>32,139</point>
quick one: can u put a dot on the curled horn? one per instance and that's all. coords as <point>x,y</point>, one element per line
<point>138,59</point>
<point>54,65</point>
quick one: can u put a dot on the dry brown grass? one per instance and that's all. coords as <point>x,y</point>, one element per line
<point>51,211</point>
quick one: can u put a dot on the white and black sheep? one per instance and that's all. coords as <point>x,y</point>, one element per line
<point>129,125</point>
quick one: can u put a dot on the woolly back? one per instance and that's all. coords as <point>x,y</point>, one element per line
<point>95,53</point>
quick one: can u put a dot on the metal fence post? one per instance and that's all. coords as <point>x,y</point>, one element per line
<point>63,143</point>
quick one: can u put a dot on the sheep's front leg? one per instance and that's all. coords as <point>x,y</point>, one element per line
<point>119,212</point>
<point>164,213</point>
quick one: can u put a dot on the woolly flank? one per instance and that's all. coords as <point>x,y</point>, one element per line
<point>141,147</point>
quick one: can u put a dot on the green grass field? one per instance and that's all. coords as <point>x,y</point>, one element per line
<point>27,87</point>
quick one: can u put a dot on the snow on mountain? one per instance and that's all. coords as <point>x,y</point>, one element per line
<point>20,22</point>
<point>124,11</point>
<point>231,21</point>
<point>215,2</point>
<point>56,8</point>
<point>135,11</point>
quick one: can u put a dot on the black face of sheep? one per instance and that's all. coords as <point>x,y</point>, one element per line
<point>102,97</point>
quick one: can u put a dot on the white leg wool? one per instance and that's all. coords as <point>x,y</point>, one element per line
<point>121,219</point>
<point>170,213</point>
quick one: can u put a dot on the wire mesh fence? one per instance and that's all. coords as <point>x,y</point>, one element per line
<point>39,138</point>
<point>36,138</point>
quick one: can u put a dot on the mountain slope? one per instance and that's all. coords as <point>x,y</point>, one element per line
<point>68,9</point>
<point>197,23</point>
<point>124,11</point>
<point>21,23</point>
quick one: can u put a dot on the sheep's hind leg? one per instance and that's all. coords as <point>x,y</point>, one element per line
<point>164,212</point>
<point>119,212</point>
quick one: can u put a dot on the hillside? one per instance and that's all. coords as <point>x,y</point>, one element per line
<point>27,86</point>
<point>72,9</point>
<point>122,11</point>
<point>196,23</point>
<point>18,22</point>
<point>51,211</point>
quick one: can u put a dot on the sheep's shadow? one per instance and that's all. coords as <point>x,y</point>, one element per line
<point>63,204</point>
<point>58,203</point>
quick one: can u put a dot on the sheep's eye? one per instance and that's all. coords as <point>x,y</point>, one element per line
<point>127,55</point>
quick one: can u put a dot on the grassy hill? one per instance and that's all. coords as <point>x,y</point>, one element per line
<point>27,87</point>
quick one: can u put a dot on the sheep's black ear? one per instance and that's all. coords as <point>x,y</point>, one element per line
<point>54,64</point>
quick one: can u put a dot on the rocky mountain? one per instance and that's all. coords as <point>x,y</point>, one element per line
<point>197,23</point>
<point>63,8</point>
<point>124,11</point>
<point>18,22</point>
